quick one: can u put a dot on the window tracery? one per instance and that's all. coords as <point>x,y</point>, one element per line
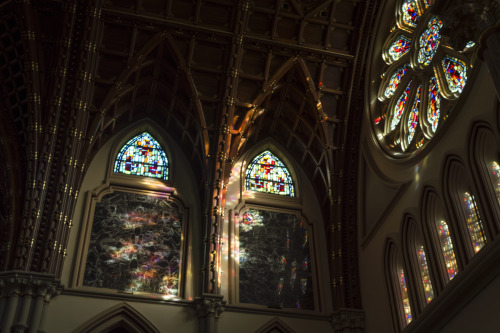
<point>420,65</point>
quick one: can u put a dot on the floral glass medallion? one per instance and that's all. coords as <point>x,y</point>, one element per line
<point>423,77</point>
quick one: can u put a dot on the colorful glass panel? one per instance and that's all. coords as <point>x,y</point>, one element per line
<point>429,41</point>
<point>399,47</point>
<point>433,104</point>
<point>266,173</point>
<point>274,266</point>
<point>410,13</point>
<point>447,247</point>
<point>474,223</point>
<point>495,178</point>
<point>424,274</point>
<point>413,116</point>
<point>135,244</point>
<point>404,296</point>
<point>395,80</point>
<point>399,107</point>
<point>455,72</point>
<point>142,156</point>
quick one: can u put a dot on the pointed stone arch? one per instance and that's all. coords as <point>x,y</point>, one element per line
<point>122,316</point>
<point>275,325</point>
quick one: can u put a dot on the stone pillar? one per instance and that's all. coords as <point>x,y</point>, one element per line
<point>348,321</point>
<point>208,308</point>
<point>25,296</point>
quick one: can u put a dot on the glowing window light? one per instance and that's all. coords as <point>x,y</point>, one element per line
<point>447,247</point>
<point>455,72</point>
<point>429,41</point>
<point>424,274</point>
<point>399,47</point>
<point>413,116</point>
<point>395,80</point>
<point>474,224</point>
<point>142,156</point>
<point>266,173</point>
<point>404,296</point>
<point>433,104</point>
<point>495,178</point>
<point>410,13</point>
<point>399,107</point>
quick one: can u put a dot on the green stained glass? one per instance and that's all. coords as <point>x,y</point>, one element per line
<point>266,173</point>
<point>142,156</point>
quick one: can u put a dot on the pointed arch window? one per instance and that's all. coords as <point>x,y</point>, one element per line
<point>447,248</point>
<point>404,295</point>
<point>495,178</point>
<point>142,156</point>
<point>474,224</point>
<point>424,273</point>
<point>268,174</point>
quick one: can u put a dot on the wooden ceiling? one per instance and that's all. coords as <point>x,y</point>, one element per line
<point>219,76</point>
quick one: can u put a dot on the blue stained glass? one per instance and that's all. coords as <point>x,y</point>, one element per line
<point>410,13</point>
<point>395,80</point>
<point>266,173</point>
<point>399,47</point>
<point>424,274</point>
<point>455,72</point>
<point>413,116</point>
<point>433,104</point>
<point>142,156</point>
<point>399,107</point>
<point>429,41</point>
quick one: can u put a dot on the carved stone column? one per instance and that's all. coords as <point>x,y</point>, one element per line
<point>348,321</point>
<point>208,308</point>
<point>24,298</point>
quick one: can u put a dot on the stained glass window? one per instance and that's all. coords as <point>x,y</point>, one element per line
<point>410,13</point>
<point>399,47</point>
<point>447,247</point>
<point>495,178</point>
<point>274,264</point>
<point>413,116</point>
<point>429,41</point>
<point>395,80</point>
<point>404,296</point>
<point>455,72</point>
<point>474,223</point>
<point>424,274</point>
<point>266,173</point>
<point>135,244</point>
<point>414,51</point>
<point>399,107</point>
<point>142,156</point>
<point>433,104</point>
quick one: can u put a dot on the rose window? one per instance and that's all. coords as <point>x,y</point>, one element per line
<point>422,78</point>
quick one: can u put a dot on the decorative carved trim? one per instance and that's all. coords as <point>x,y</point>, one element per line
<point>24,283</point>
<point>209,305</point>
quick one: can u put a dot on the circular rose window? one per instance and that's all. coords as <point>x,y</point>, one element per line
<point>421,79</point>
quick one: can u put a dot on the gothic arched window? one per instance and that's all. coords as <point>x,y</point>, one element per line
<point>421,80</point>
<point>142,156</point>
<point>447,248</point>
<point>495,178</point>
<point>405,300</point>
<point>268,174</point>
<point>424,273</point>
<point>474,224</point>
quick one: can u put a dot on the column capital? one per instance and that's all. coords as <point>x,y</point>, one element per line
<point>36,284</point>
<point>209,305</point>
